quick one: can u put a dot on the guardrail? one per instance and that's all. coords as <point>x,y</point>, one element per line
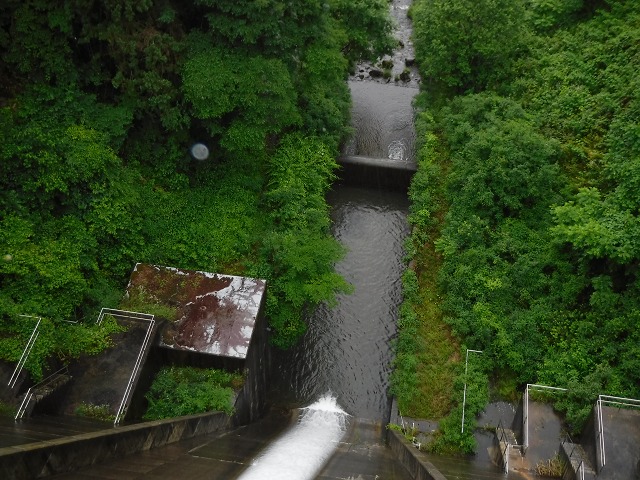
<point>25,352</point>
<point>579,470</point>
<point>136,316</point>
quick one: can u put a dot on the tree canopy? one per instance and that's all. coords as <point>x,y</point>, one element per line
<point>527,190</point>
<point>100,103</point>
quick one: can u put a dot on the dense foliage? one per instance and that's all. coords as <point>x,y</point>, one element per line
<point>178,391</point>
<point>537,221</point>
<point>99,106</point>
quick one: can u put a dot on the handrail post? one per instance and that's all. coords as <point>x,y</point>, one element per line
<point>525,416</point>
<point>137,316</point>
<point>525,420</point>
<point>25,353</point>
<point>464,393</point>
<point>506,459</point>
<point>603,458</point>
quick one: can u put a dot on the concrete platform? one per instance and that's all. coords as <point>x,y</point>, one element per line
<point>44,428</point>
<point>621,444</point>
<point>204,457</point>
<point>361,455</point>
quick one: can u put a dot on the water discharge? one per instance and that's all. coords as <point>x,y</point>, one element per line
<point>304,449</point>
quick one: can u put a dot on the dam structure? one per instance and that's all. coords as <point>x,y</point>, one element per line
<point>328,396</point>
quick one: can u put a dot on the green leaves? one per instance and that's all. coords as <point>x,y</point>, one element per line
<point>539,245</point>
<point>469,44</point>
<point>178,391</point>
<point>238,94</point>
<point>598,227</point>
<point>299,249</point>
<point>46,272</point>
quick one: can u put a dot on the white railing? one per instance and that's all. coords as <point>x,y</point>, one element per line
<point>464,393</point>
<point>525,409</point>
<point>600,435</point>
<point>581,470</point>
<point>25,352</point>
<point>137,316</point>
<point>609,400</point>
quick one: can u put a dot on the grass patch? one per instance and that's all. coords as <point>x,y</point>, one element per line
<point>97,412</point>
<point>439,353</point>
<point>7,410</point>
<point>428,354</point>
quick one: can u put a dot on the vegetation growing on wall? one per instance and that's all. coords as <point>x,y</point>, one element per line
<point>55,340</point>
<point>99,105</point>
<point>539,155</point>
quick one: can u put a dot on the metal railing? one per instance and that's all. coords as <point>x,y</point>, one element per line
<point>25,353</point>
<point>501,435</point>
<point>609,400</point>
<point>137,316</point>
<point>525,409</point>
<point>579,470</point>
<point>32,391</point>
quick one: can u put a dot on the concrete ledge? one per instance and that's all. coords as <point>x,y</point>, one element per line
<point>41,459</point>
<point>409,456</point>
<point>378,162</point>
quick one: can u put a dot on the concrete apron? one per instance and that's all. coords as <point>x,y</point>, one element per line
<point>70,453</point>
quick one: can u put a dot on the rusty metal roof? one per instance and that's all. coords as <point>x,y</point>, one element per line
<point>214,313</point>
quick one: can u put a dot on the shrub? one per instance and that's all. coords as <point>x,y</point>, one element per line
<point>178,391</point>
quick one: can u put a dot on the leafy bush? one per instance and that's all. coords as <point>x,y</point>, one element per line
<point>178,391</point>
<point>467,45</point>
<point>299,252</point>
<point>56,340</point>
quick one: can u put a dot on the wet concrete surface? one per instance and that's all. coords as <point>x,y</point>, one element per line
<point>545,435</point>
<point>360,455</point>
<point>621,444</point>
<point>205,457</point>
<point>43,428</point>
<point>102,379</point>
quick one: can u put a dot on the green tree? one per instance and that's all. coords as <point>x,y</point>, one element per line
<point>236,96</point>
<point>299,249</point>
<point>468,44</point>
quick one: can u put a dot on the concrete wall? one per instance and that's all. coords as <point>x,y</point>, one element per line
<point>376,174</point>
<point>66,454</point>
<point>412,458</point>
<point>251,403</point>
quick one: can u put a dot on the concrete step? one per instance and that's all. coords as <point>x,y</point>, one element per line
<point>578,459</point>
<point>41,392</point>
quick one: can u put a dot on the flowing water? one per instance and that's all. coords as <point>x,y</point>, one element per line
<point>347,348</point>
<point>302,451</point>
<point>382,119</point>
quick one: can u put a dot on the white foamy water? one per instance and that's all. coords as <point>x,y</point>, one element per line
<point>304,449</point>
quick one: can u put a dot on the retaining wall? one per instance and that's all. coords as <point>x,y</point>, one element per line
<point>411,458</point>
<point>66,454</point>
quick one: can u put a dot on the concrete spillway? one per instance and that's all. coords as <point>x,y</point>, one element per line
<point>302,451</point>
